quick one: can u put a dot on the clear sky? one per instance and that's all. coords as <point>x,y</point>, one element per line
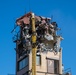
<point>64,13</point>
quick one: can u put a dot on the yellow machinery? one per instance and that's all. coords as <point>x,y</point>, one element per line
<point>33,45</point>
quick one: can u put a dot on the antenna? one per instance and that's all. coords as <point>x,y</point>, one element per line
<point>51,18</point>
<point>25,10</point>
<point>29,5</point>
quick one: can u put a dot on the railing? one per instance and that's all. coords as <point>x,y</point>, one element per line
<point>67,72</point>
<point>16,36</point>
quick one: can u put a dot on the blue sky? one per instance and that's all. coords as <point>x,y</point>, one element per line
<point>64,13</point>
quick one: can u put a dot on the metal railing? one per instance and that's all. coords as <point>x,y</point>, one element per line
<point>16,36</point>
<point>67,71</point>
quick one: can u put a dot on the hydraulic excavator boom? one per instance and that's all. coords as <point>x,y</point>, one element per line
<point>33,45</point>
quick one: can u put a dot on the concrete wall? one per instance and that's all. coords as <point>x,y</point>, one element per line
<point>43,66</point>
<point>43,74</point>
<point>23,71</point>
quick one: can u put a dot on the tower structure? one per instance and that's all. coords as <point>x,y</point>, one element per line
<point>38,50</point>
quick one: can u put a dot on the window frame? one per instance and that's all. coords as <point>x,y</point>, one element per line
<point>54,69</point>
<point>39,60</point>
<point>22,61</point>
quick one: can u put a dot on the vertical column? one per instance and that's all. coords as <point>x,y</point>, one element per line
<point>33,46</point>
<point>60,62</point>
